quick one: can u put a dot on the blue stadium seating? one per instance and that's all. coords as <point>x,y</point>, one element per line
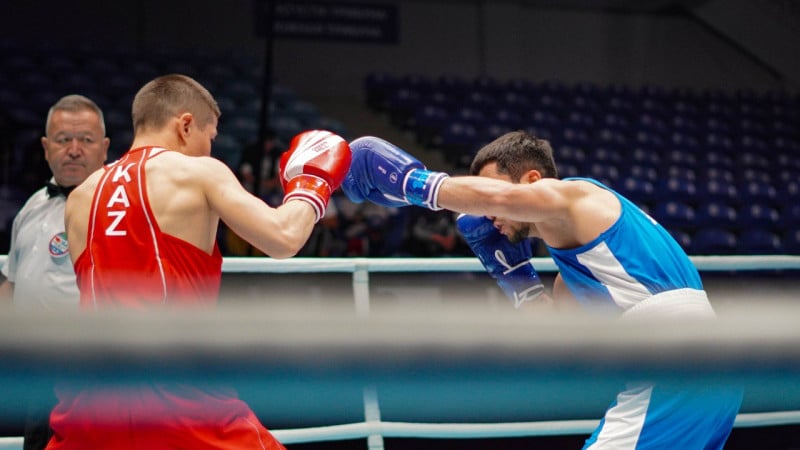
<point>791,241</point>
<point>401,106</point>
<point>717,190</point>
<point>758,215</point>
<point>731,159</point>
<point>636,189</point>
<point>714,241</point>
<point>428,122</point>
<point>676,188</point>
<point>757,191</point>
<point>674,214</point>
<point>716,214</point>
<point>459,140</point>
<point>759,242</point>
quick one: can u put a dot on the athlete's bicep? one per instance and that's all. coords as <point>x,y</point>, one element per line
<point>279,232</point>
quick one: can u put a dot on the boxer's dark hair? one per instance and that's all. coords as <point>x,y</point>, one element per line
<point>516,153</point>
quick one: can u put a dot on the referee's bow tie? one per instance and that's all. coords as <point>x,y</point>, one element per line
<point>54,190</point>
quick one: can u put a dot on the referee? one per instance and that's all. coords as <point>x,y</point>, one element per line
<point>38,272</point>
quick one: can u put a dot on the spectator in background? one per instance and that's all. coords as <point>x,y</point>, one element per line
<point>327,239</point>
<point>38,272</point>
<point>433,233</point>
<point>364,227</point>
<point>258,173</point>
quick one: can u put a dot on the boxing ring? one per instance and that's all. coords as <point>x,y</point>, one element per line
<point>362,372</point>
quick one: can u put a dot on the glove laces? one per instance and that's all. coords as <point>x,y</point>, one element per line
<point>501,258</point>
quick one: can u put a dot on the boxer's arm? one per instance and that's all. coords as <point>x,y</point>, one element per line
<point>279,232</point>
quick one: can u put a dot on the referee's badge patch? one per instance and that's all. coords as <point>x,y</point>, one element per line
<point>59,247</point>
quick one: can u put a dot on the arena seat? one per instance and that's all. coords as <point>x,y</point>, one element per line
<point>608,136</point>
<point>680,157</point>
<point>674,214</point>
<point>334,125</point>
<point>645,156</point>
<point>717,189</point>
<point>791,241</point>
<point>285,127</point>
<point>676,188</point>
<point>570,154</point>
<point>545,119</point>
<point>458,141</point>
<point>491,131</point>
<point>543,133</point>
<point>718,141</point>
<point>281,96</point>
<point>428,122</point>
<point>516,101</point>
<point>643,172</point>
<point>471,115</point>
<point>720,174</point>
<point>243,127</point>
<point>227,149</point>
<point>716,159</point>
<point>238,89</point>
<point>760,191</point>
<point>566,170</point>
<point>401,105</point>
<point>304,111</point>
<point>754,159</point>
<point>636,189</point>
<point>508,117</point>
<point>790,216</point>
<point>713,241</point>
<point>716,214</point>
<point>480,99</point>
<point>579,119</point>
<point>577,136</point>
<point>648,122</point>
<point>788,161</point>
<point>606,173</point>
<point>716,124</point>
<point>759,242</point>
<point>758,215</point>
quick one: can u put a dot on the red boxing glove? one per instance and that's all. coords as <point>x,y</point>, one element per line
<point>313,167</point>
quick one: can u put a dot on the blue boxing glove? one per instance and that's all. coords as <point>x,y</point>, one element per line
<point>384,174</point>
<point>509,264</point>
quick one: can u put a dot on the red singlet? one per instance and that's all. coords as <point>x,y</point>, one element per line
<point>130,263</point>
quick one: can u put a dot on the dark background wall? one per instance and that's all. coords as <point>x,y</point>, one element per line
<point>728,44</point>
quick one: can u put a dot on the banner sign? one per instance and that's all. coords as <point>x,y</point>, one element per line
<point>335,21</point>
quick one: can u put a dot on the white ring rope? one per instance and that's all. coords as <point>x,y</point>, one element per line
<point>361,267</point>
<point>468,264</point>
<point>235,264</point>
<point>363,430</point>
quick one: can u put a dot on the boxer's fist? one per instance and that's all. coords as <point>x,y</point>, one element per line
<point>384,174</point>
<point>509,264</point>
<point>313,167</point>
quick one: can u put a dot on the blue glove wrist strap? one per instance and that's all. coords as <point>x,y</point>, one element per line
<point>421,187</point>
